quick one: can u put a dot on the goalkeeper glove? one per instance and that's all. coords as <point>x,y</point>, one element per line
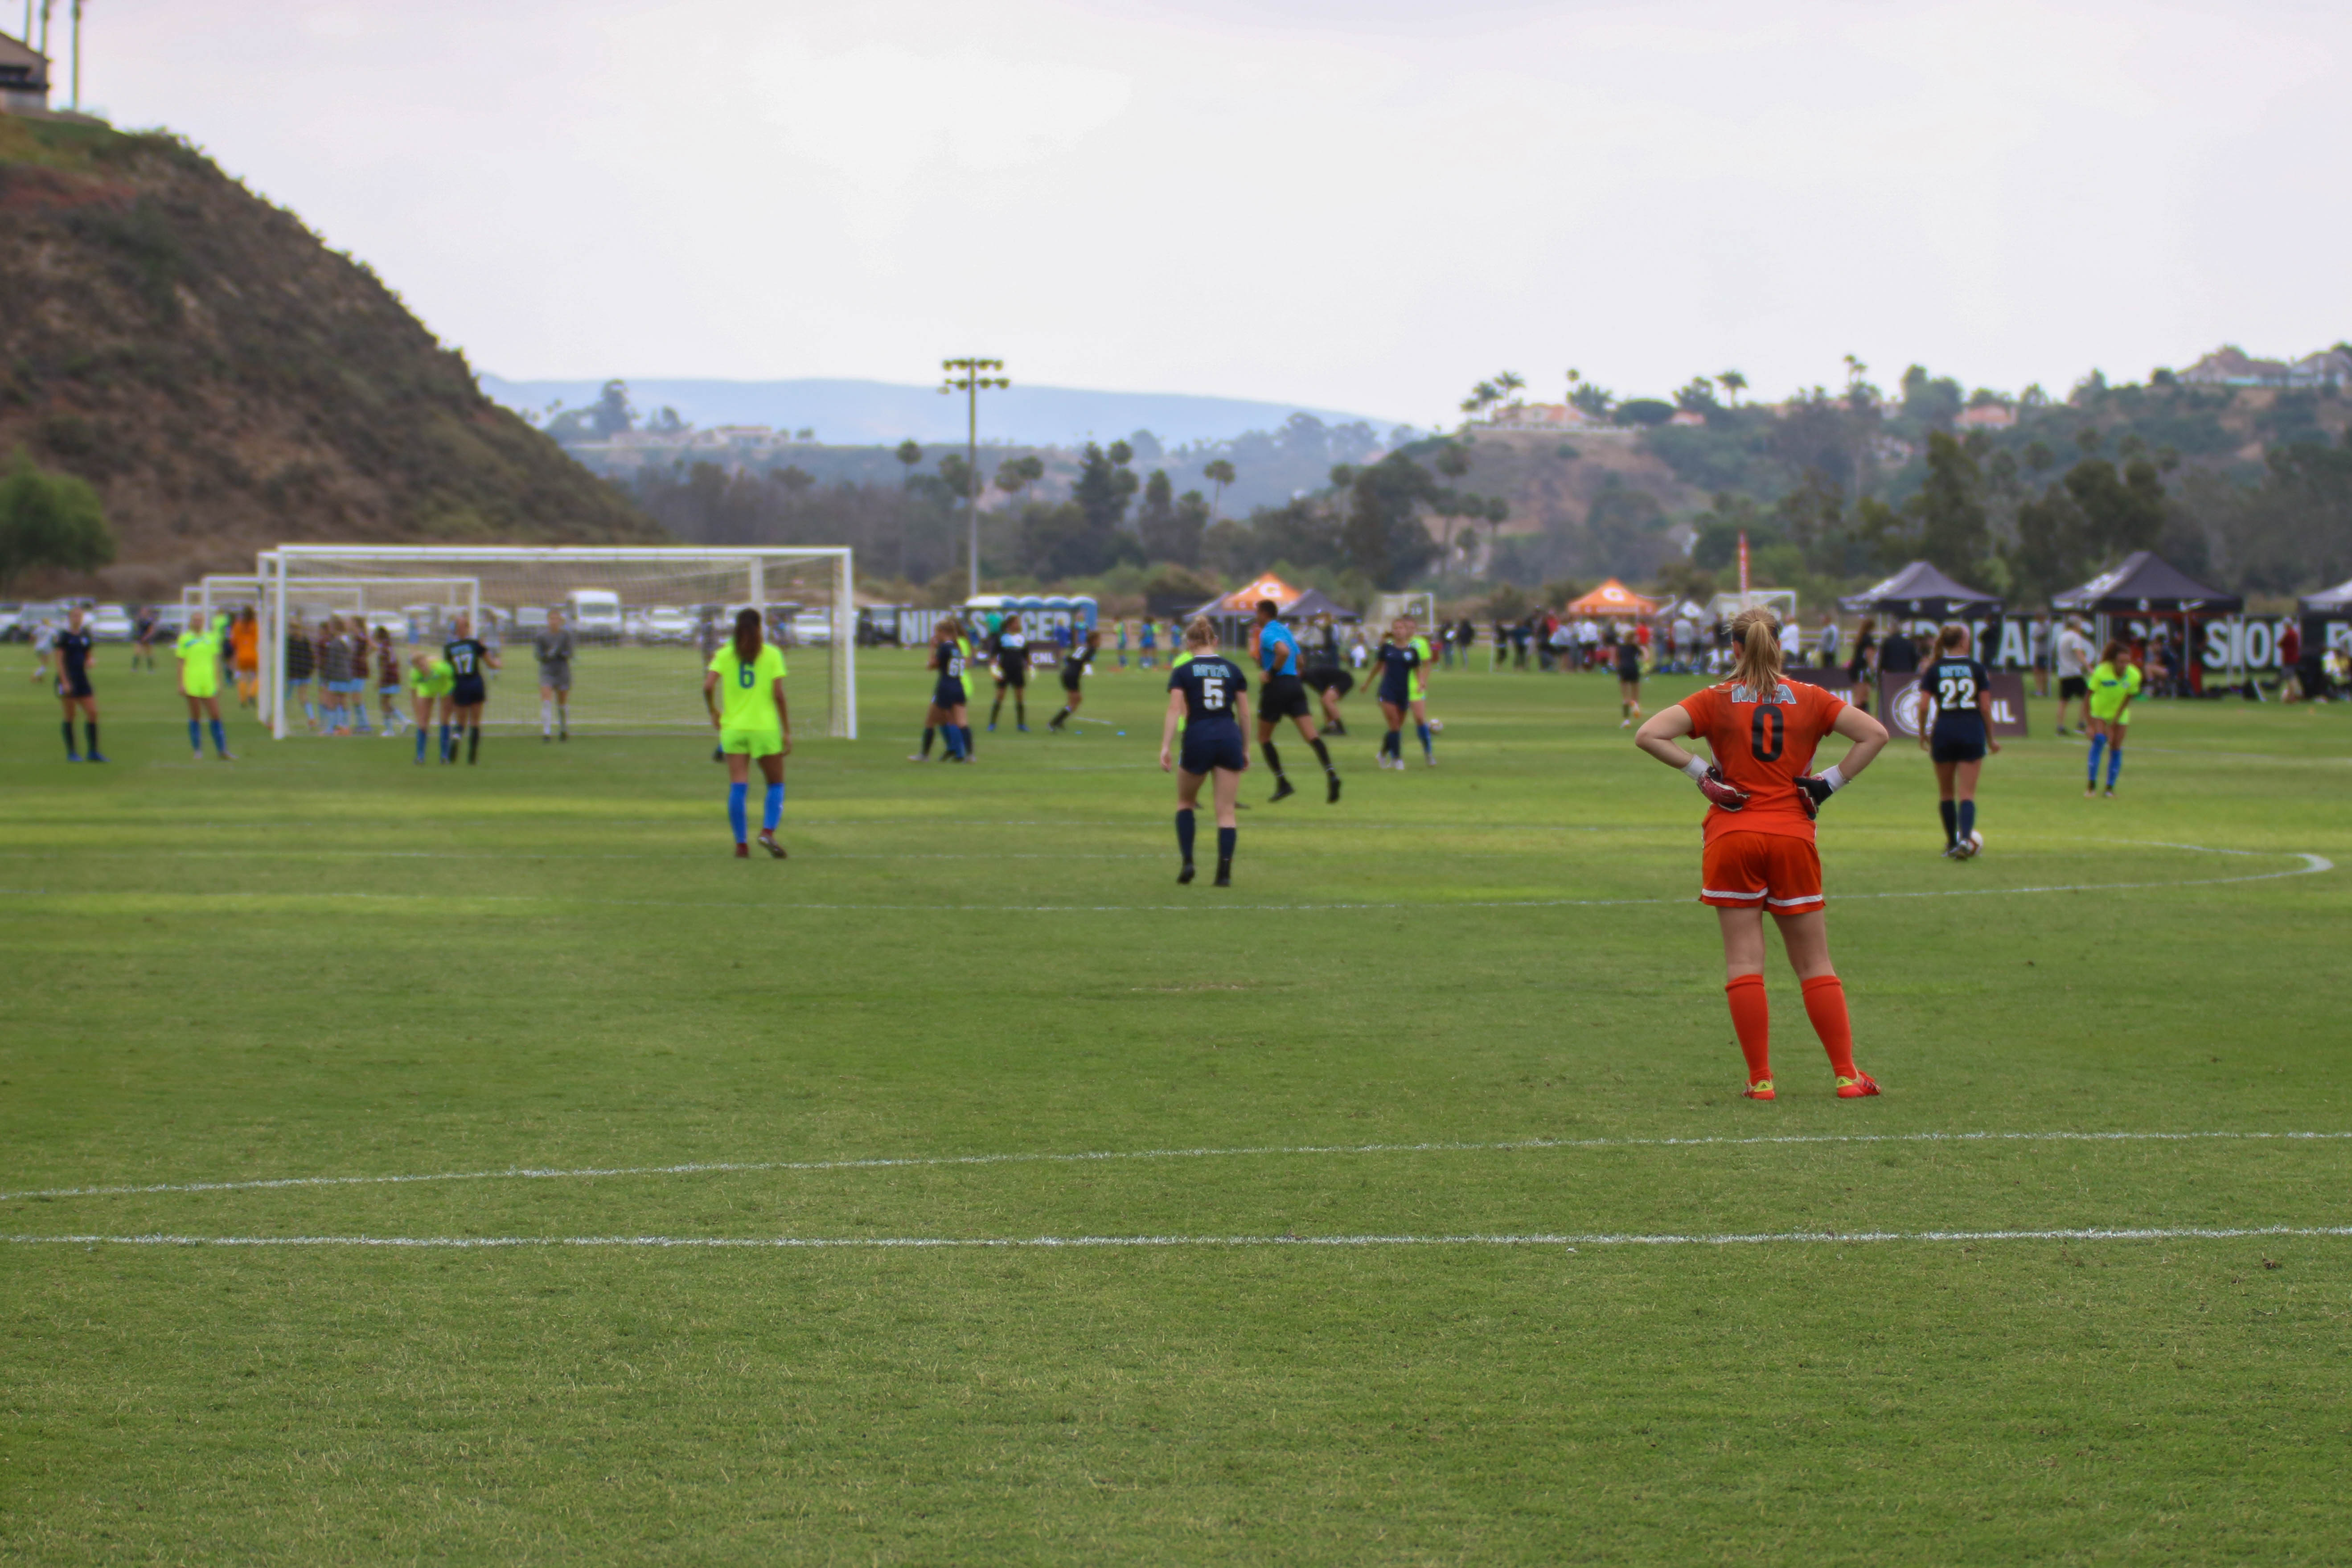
<point>1814,788</point>
<point>1720,792</point>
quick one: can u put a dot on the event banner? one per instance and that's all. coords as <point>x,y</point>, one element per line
<point>1901,703</point>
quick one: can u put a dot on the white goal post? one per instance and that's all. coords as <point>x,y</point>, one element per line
<point>380,600</point>
<point>643,619</point>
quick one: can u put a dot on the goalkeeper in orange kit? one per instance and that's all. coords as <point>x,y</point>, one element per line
<point>1759,853</point>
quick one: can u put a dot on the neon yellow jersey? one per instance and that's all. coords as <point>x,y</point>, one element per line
<point>1421,646</point>
<point>2111,687</point>
<point>200,654</point>
<point>746,701</point>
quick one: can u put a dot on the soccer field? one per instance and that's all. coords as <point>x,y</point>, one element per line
<point>1397,1204</point>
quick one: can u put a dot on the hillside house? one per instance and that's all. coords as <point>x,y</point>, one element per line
<point>1560,416</point>
<point>1985,416</point>
<point>24,79</point>
<point>2231,366</point>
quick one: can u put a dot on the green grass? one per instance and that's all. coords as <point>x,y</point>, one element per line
<point>325,962</point>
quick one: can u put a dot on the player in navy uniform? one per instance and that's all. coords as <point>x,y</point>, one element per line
<point>1074,674</point>
<point>1328,675</point>
<point>1282,695</point>
<point>946,715</point>
<point>1956,730</point>
<point>1208,694</point>
<point>470,662</point>
<point>1398,658</point>
<point>1012,670</point>
<point>70,647</point>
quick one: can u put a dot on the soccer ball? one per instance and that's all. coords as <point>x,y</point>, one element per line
<point>1437,726</point>
<point>1975,844</point>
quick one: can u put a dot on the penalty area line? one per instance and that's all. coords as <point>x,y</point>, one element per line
<point>1569,1241</point>
<point>727,1167</point>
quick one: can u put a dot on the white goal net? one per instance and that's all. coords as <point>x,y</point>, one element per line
<point>644,622</point>
<point>409,607</point>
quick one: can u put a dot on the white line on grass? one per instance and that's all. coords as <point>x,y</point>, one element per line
<point>1570,1240</point>
<point>722,1167</point>
<point>2311,865</point>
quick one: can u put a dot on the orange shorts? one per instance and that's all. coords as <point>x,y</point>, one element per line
<point>1761,871</point>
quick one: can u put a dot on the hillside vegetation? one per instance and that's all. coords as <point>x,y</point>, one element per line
<point>227,382</point>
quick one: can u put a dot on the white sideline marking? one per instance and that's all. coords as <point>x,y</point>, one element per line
<point>2311,865</point>
<point>721,1167</point>
<point>1571,1240</point>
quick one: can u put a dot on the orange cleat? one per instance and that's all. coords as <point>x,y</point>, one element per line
<point>1762,1089</point>
<point>1857,1086</point>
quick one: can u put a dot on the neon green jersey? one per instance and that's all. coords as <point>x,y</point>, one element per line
<point>436,679</point>
<point>199,663</point>
<point>2111,687</point>
<point>745,690</point>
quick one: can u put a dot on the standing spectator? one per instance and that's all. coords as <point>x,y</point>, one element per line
<point>143,644</point>
<point>2290,655</point>
<point>1862,669</point>
<point>1899,655</point>
<point>1793,644</point>
<point>2072,656</point>
<point>1826,655</point>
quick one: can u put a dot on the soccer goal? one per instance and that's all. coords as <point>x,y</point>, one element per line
<point>411,607</point>
<point>643,621</point>
<point>1387,607</point>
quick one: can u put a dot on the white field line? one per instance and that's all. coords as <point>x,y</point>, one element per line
<point>1570,1240</point>
<point>2311,865</point>
<point>721,1167</point>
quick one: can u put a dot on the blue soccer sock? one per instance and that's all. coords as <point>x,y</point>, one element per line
<point>1226,838</point>
<point>771,809</point>
<point>420,742</point>
<point>2098,745</point>
<point>1426,748</point>
<point>1968,820</point>
<point>954,738</point>
<point>1951,816</point>
<point>1184,832</point>
<point>2114,765</point>
<point>195,736</point>
<point>220,741</point>
<point>445,753</point>
<point>735,797</point>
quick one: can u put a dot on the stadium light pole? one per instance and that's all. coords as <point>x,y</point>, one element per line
<point>969,376</point>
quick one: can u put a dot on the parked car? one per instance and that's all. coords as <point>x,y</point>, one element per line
<point>668,624</point>
<point>594,614</point>
<point>812,628</point>
<point>113,623</point>
<point>11,621</point>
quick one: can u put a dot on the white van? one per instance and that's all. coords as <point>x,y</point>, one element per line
<point>594,613</point>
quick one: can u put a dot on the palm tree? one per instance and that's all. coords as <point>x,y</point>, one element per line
<point>1219,473</point>
<point>1510,383</point>
<point>1734,384</point>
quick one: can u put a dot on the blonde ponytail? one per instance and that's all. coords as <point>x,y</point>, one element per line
<point>1201,633</point>
<point>1756,650</point>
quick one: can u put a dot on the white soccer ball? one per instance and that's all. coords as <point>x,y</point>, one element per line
<point>1437,726</point>
<point>1976,842</point>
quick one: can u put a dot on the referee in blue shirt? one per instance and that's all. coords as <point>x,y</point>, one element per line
<point>1282,695</point>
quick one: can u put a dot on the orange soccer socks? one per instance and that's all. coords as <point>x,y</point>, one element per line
<point>1825,1006</point>
<point>1751,1020</point>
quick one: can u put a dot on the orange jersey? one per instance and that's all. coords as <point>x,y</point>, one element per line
<point>1762,745</point>
<point>245,644</point>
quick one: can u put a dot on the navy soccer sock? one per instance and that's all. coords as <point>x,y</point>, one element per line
<point>1951,821</point>
<point>1184,833</point>
<point>1968,819</point>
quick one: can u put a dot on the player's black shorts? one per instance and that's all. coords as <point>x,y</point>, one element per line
<point>1070,678</point>
<point>75,683</point>
<point>1210,747</point>
<point>470,692</point>
<point>1282,697</point>
<point>1014,671</point>
<point>1629,669</point>
<point>1396,695</point>
<point>1342,681</point>
<point>2070,687</point>
<point>948,694</point>
<point>1960,743</point>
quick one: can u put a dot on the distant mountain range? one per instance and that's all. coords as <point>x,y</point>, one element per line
<point>855,413</point>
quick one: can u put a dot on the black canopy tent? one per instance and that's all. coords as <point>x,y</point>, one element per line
<point>2320,613</point>
<point>2148,584</point>
<point>1919,589</point>
<point>2144,585</point>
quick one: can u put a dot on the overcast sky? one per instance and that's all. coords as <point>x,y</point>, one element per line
<point>1361,204</point>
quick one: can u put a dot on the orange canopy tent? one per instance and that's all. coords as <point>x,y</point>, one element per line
<point>1613,598</point>
<point>1243,601</point>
